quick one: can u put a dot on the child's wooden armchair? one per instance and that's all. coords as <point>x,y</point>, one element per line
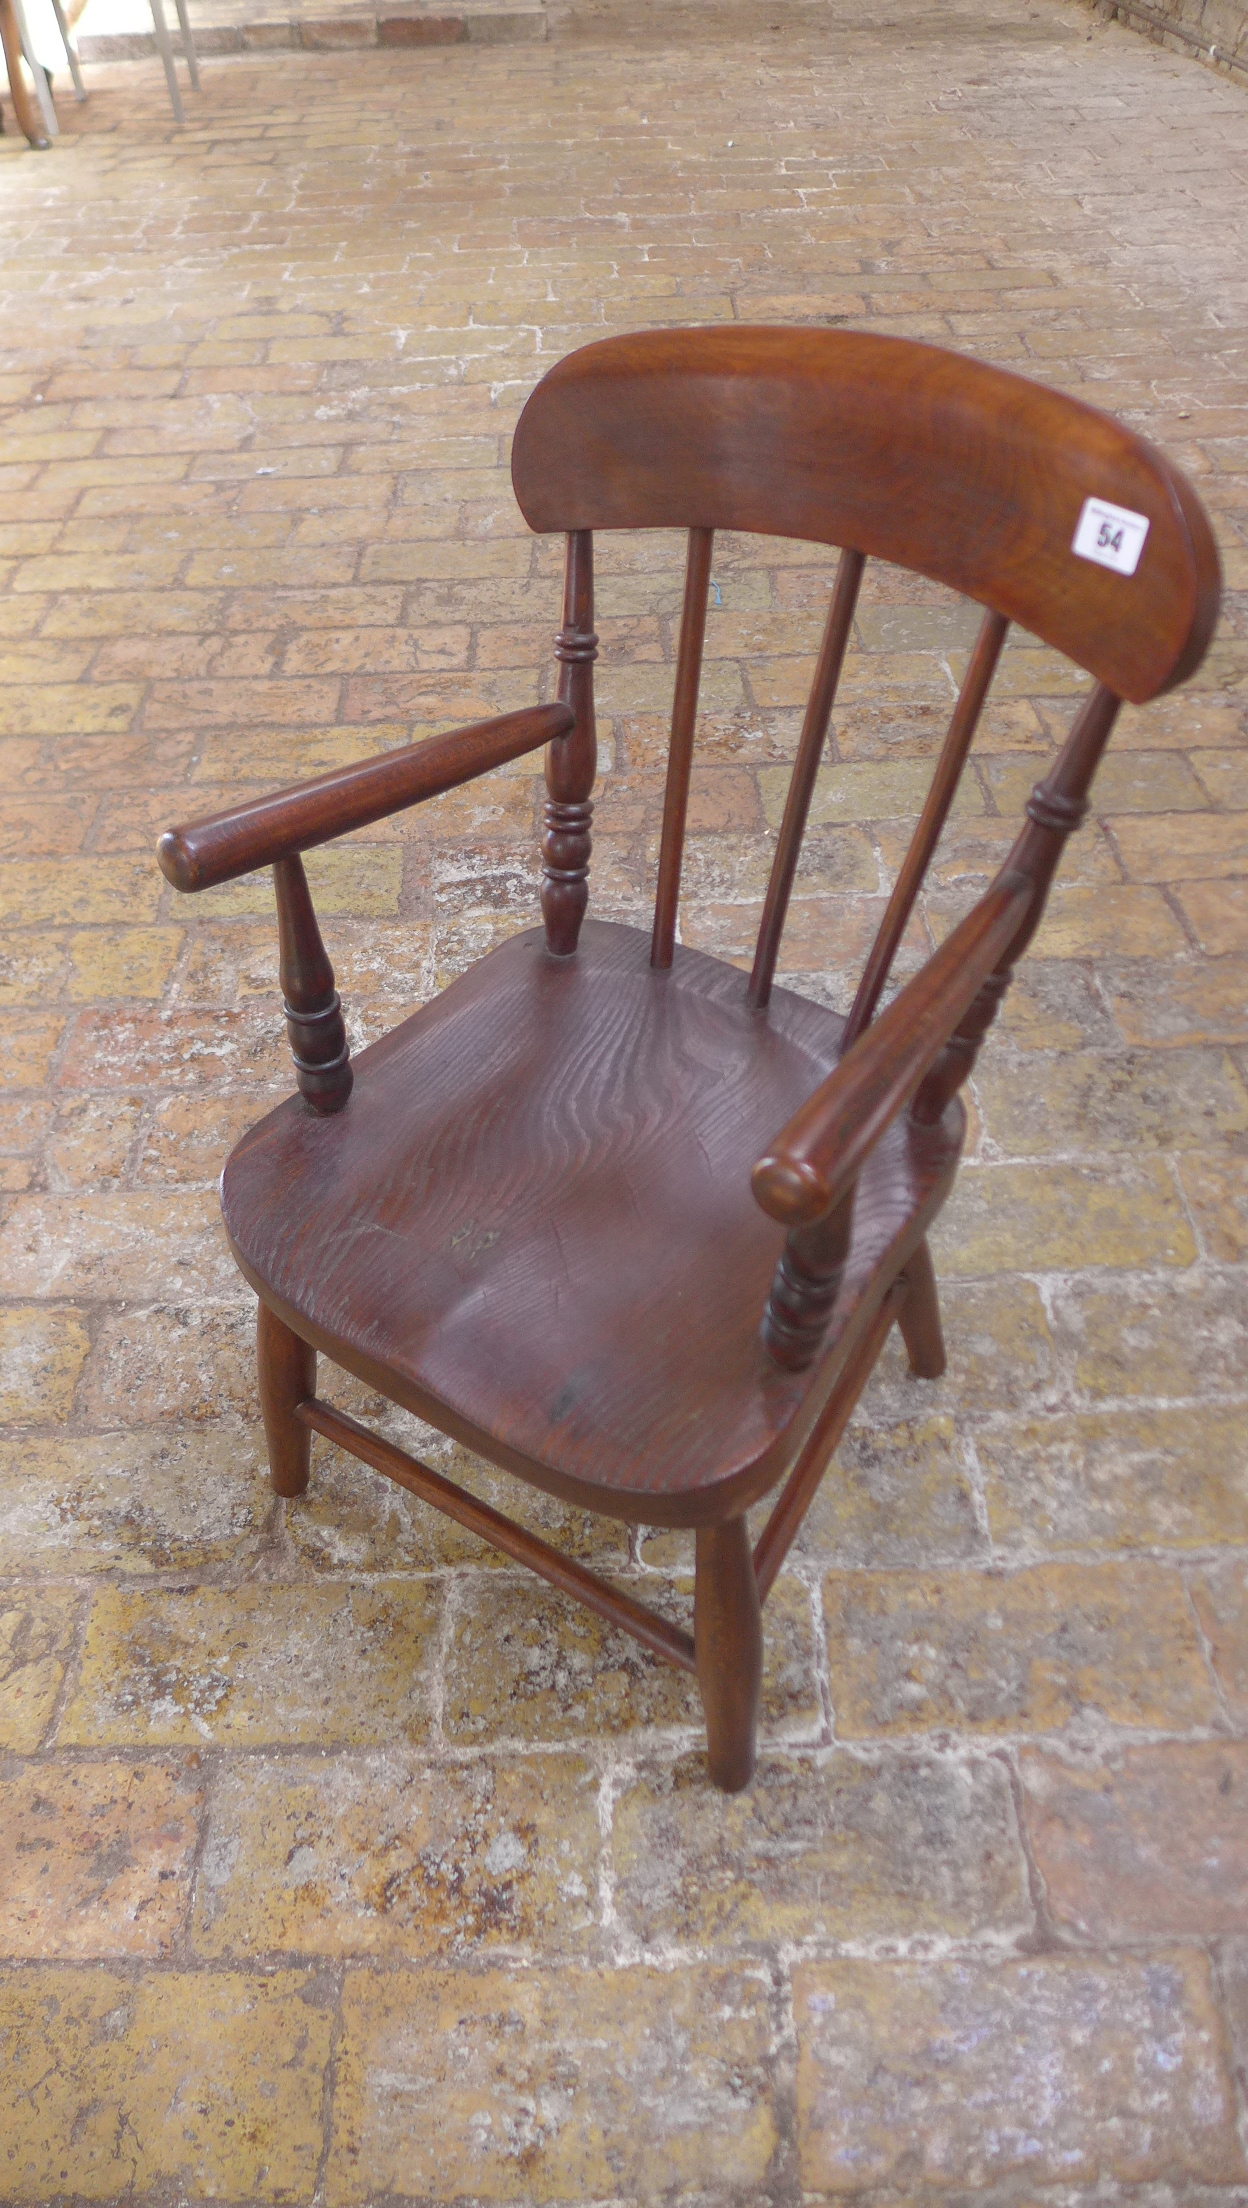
<point>629,1225</point>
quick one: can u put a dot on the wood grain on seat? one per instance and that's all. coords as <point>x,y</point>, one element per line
<point>534,1224</point>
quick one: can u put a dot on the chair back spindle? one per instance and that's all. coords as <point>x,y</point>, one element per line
<point>988,645</point>
<point>806,766</point>
<point>680,750</point>
<point>572,760</point>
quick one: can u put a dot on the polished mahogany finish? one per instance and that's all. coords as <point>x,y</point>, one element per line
<point>805,768</point>
<point>680,750</point>
<point>571,760</point>
<point>630,1226</point>
<point>265,829</point>
<point>475,1236</point>
<point>968,474</point>
<point>286,1367</point>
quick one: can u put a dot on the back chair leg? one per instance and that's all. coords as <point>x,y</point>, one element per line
<point>919,1317</point>
<point>728,1650</point>
<point>28,119</point>
<point>287,1373</point>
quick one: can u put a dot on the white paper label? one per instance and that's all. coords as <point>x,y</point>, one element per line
<point>1111,535</point>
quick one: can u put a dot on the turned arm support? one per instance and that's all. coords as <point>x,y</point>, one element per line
<point>272,831</point>
<point>268,829</point>
<point>808,1177</point>
<point>918,1053</point>
<point>813,1164</point>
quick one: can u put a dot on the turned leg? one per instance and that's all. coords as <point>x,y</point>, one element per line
<point>919,1317</point>
<point>23,106</point>
<point>728,1648</point>
<point>287,1368</point>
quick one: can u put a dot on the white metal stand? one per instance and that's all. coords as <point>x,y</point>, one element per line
<point>165,49</point>
<point>71,51</point>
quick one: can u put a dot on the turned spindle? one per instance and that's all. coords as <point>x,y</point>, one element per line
<point>1055,809</point>
<point>571,761</point>
<point>314,1023</point>
<point>805,1285</point>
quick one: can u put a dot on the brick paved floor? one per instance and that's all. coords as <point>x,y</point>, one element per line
<point>340,1863</point>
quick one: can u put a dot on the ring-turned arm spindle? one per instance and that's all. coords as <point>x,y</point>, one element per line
<point>274,830</point>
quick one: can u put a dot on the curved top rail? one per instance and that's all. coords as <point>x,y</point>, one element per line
<point>904,451</point>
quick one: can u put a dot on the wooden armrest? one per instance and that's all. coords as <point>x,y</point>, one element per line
<point>267,829</point>
<point>815,1160</point>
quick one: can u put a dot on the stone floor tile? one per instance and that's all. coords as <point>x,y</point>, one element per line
<point>95,1858</point>
<point>37,1627</point>
<point>1215,1185</point>
<point>127,1244</point>
<point>155,1366</point>
<point>382,1855</point>
<point>1117,1480</point>
<point>189,1137</point>
<point>830,1847</point>
<point>1172,1334</point>
<point>30,1042</point>
<point>137,1503</point>
<point>1030,1651</point>
<point>1220,1596</point>
<point>91,1139</point>
<point>1127,922</point>
<point>1205,1002</point>
<point>895,1493</point>
<point>34,966</point>
<point>1055,1217</point>
<point>527,2085</point>
<point>42,1351</point>
<point>525,1664</point>
<point>862,790</point>
<point>1054,2071</point>
<point>1218,915</point>
<point>63,891</point>
<point>1193,848</point>
<point>1139,1101</point>
<point>1232,1967</point>
<point>972,848</point>
<point>1056,1005</point>
<point>186,1048</point>
<point>1152,1845</point>
<point>209,2082</point>
<point>121,963</point>
<point>254,1664</point>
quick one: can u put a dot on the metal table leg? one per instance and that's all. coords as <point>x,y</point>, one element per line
<point>165,50</point>
<point>188,44</point>
<point>71,51</point>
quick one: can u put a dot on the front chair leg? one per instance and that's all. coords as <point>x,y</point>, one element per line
<point>287,1373</point>
<point>919,1317</point>
<point>728,1650</point>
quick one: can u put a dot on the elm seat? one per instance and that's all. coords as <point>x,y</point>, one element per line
<point>630,1223</point>
<point>448,1231</point>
